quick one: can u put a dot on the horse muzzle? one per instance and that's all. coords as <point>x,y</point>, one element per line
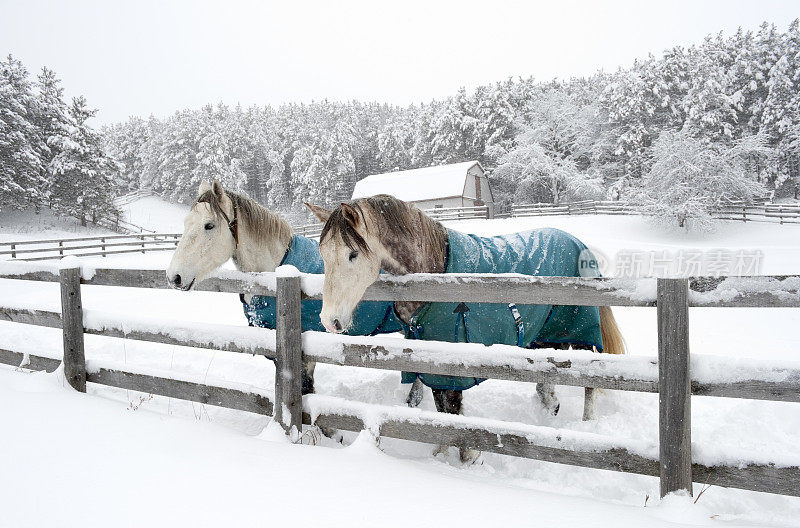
<point>176,281</point>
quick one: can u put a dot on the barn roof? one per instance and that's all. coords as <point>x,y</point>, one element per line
<point>429,183</point>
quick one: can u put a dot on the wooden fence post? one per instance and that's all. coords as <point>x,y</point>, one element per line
<point>103,247</point>
<point>13,253</point>
<point>674,386</point>
<point>72,326</point>
<point>289,362</point>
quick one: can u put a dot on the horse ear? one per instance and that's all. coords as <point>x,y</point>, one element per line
<point>217,188</point>
<point>320,212</point>
<point>204,188</point>
<point>350,214</point>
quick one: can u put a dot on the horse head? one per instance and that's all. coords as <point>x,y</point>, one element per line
<point>363,237</point>
<point>209,237</point>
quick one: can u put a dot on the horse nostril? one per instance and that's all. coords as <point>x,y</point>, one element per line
<point>337,325</point>
<point>176,280</point>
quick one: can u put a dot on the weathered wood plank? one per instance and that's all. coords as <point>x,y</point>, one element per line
<point>755,477</point>
<point>158,337</point>
<point>119,251</point>
<point>788,390</point>
<point>289,362</point>
<point>31,317</point>
<point>157,279</point>
<point>417,356</point>
<point>769,291</point>
<point>102,244</point>
<point>502,442</point>
<point>9,357</point>
<point>577,291</point>
<point>184,390</point>
<point>81,239</point>
<point>39,276</point>
<point>538,368</point>
<point>72,326</point>
<point>674,399</point>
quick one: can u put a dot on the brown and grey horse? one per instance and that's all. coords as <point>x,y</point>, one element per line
<point>363,237</point>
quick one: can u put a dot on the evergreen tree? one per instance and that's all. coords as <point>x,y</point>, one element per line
<point>23,151</point>
<point>84,183</point>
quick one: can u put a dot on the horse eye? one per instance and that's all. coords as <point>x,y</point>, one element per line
<point>353,255</point>
<point>209,226</point>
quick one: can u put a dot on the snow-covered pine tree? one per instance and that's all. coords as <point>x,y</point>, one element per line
<point>23,152</point>
<point>52,120</point>
<point>84,173</point>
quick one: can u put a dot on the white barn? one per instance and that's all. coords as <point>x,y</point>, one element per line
<point>443,186</point>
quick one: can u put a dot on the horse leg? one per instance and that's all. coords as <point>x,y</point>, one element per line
<point>589,399</point>
<point>415,394</point>
<point>589,393</point>
<point>547,395</point>
<point>308,388</point>
<point>450,401</point>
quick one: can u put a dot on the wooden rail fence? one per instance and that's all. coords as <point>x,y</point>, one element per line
<point>774,213</point>
<point>669,375</point>
<point>104,245</point>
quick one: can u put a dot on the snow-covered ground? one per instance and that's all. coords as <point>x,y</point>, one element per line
<point>85,461</point>
<point>166,442</point>
<point>156,214</point>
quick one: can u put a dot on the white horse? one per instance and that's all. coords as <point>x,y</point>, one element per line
<point>223,225</point>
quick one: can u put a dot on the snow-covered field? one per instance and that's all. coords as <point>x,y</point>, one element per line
<point>205,465</point>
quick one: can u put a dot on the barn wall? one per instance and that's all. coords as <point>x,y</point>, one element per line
<point>444,202</point>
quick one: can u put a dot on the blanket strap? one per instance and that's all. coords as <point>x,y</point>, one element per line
<point>461,310</point>
<point>520,324</point>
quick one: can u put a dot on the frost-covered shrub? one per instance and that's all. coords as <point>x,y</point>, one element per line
<point>689,176</point>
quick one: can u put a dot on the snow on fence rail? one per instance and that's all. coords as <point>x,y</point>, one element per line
<point>776,213</point>
<point>671,459</point>
<point>103,245</point>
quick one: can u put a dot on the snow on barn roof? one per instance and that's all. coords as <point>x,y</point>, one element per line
<point>429,183</point>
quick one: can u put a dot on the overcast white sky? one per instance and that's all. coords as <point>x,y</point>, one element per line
<point>154,57</point>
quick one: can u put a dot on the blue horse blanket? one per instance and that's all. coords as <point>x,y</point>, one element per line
<point>369,318</point>
<point>545,252</point>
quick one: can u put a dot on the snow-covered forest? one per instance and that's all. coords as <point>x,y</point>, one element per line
<point>540,141</point>
<point>730,105</point>
<point>49,155</point>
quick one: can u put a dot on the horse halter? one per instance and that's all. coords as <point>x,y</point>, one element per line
<point>233,226</point>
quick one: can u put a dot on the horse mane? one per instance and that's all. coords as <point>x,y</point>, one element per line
<point>395,219</point>
<point>261,224</point>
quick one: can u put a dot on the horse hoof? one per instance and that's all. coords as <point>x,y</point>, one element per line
<point>334,434</point>
<point>469,455</point>
<point>441,450</point>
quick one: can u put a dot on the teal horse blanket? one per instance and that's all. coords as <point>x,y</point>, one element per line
<point>544,252</point>
<point>369,318</point>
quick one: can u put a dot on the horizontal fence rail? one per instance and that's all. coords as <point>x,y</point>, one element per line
<point>760,212</point>
<point>106,244</point>
<point>672,297</point>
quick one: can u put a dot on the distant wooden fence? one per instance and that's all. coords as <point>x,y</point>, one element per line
<point>775,213</point>
<point>669,376</point>
<point>57,248</point>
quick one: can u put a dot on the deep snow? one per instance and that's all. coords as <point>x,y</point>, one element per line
<point>81,460</point>
<point>578,495</point>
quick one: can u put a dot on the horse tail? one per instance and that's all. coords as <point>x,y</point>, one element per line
<point>613,343</point>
